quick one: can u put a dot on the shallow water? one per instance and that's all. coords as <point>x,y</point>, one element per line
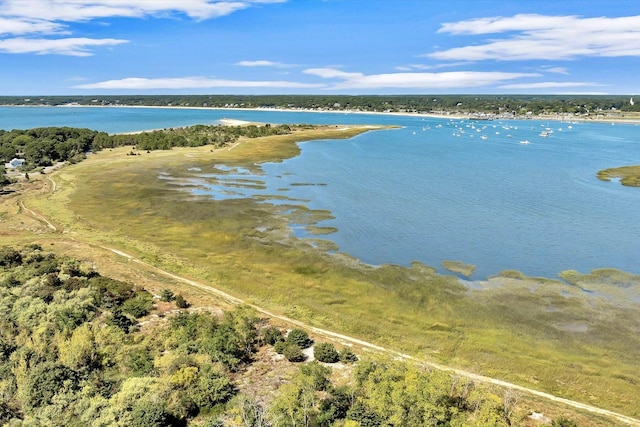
<point>436,189</point>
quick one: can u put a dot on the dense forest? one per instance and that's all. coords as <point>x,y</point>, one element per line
<point>507,105</point>
<point>73,353</point>
<point>42,147</point>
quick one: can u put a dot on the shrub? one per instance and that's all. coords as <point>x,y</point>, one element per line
<point>138,306</point>
<point>279,347</point>
<point>150,414</point>
<point>563,422</point>
<point>10,257</point>
<point>299,338</point>
<point>325,352</point>
<point>347,356</point>
<point>293,353</point>
<point>181,302</point>
<point>271,335</point>
<point>166,295</point>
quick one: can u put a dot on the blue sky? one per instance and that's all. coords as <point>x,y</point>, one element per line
<point>61,47</point>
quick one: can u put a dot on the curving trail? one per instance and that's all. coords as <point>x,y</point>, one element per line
<point>347,339</point>
<point>36,215</point>
<point>350,340</point>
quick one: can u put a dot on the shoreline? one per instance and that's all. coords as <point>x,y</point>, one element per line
<point>223,122</point>
<point>444,115</point>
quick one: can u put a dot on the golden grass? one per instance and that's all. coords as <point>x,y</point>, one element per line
<point>628,175</point>
<point>541,333</point>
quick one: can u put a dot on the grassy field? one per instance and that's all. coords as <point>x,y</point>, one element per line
<point>577,338</point>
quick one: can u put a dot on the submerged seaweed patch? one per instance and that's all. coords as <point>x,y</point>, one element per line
<point>459,267</point>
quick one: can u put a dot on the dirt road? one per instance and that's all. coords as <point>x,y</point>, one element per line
<point>347,339</point>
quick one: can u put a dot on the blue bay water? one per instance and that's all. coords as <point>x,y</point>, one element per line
<point>436,189</point>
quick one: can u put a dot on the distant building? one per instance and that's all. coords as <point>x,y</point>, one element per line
<point>14,163</point>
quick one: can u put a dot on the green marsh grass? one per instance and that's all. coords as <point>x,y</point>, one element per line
<point>514,328</point>
<point>628,175</point>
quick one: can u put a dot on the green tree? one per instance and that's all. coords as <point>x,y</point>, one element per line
<point>146,413</point>
<point>347,356</point>
<point>139,361</point>
<point>563,421</point>
<point>271,335</point>
<point>138,306</point>
<point>181,302</point>
<point>44,381</point>
<point>79,352</point>
<point>299,338</point>
<point>325,352</point>
<point>293,352</point>
<point>4,180</point>
<point>167,295</point>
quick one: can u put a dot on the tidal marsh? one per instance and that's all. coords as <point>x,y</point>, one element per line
<point>515,329</point>
<point>628,175</point>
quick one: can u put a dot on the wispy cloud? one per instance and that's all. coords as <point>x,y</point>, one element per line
<point>262,63</point>
<point>555,70</point>
<point>444,80</point>
<point>85,10</point>
<point>37,19</point>
<point>549,85</point>
<point>13,26</point>
<point>68,46</point>
<point>530,36</point>
<point>191,83</point>
<point>413,67</point>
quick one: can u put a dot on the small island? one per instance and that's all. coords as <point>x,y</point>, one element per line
<point>628,175</point>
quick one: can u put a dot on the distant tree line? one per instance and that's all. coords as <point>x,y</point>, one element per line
<point>490,104</point>
<point>192,136</point>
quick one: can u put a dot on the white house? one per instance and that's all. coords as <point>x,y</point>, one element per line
<point>14,163</point>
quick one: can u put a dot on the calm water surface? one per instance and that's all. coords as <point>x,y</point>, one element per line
<point>436,189</point>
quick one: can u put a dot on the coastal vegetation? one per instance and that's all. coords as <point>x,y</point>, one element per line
<point>628,175</point>
<point>520,105</point>
<point>74,352</point>
<point>568,337</point>
<point>46,146</point>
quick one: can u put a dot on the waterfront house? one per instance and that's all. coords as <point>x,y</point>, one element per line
<point>15,163</point>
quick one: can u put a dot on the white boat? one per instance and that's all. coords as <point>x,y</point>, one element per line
<point>526,141</point>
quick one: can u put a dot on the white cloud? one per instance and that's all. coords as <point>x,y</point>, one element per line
<point>38,18</point>
<point>84,10</point>
<point>445,80</point>
<point>28,26</point>
<point>413,67</point>
<point>530,36</point>
<point>190,83</point>
<point>331,73</point>
<point>263,63</point>
<point>549,85</point>
<point>555,70</point>
<point>68,46</point>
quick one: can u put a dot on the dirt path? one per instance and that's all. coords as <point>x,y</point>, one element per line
<point>350,340</point>
<point>36,215</point>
